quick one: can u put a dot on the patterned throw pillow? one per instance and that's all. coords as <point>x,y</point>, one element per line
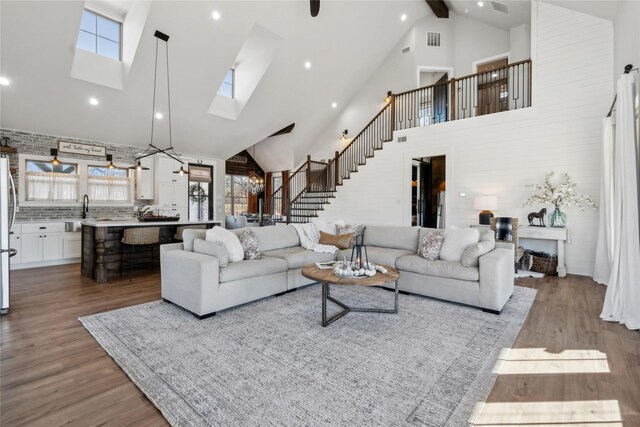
<point>356,229</point>
<point>249,245</point>
<point>430,245</point>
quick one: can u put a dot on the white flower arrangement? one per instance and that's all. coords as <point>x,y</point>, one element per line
<point>563,194</point>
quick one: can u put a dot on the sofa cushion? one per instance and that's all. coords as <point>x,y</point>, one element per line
<point>438,268</point>
<point>471,256</point>
<point>456,241</point>
<point>392,237</point>
<point>251,268</point>
<point>327,227</point>
<point>215,249</point>
<point>275,237</point>
<point>340,241</point>
<point>230,240</point>
<point>429,246</point>
<point>297,256</point>
<point>249,245</point>
<point>378,255</point>
<point>356,230</point>
<point>189,235</point>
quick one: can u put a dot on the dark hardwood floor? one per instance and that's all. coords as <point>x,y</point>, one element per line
<point>52,372</point>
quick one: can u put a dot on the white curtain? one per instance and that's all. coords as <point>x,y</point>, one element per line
<point>113,188</point>
<point>52,186</point>
<point>604,248</point>
<point>622,299</point>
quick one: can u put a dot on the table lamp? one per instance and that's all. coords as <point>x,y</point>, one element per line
<point>485,204</point>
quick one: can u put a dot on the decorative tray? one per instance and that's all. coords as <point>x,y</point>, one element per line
<point>158,218</point>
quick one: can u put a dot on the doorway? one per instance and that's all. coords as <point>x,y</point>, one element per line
<point>433,102</point>
<point>492,86</point>
<point>428,188</point>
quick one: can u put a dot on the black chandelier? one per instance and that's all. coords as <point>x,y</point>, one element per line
<point>152,149</point>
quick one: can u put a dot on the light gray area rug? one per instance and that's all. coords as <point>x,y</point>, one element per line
<point>272,363</point>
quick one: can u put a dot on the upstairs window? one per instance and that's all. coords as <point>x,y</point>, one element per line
<point>48,182</point>
<point>227,86</point>
<point>100,35</point>
<point>106,184</point>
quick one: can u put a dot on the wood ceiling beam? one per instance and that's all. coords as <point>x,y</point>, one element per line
<point>439,8</point>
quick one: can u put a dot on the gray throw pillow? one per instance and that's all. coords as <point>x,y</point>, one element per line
<point>471,256</point>
<point>249,245</point>
<point>215,249</point>
<point>430,245</point>
<point>356,229</point>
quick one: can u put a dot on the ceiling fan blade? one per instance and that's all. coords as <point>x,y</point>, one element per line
<point>315,7</point>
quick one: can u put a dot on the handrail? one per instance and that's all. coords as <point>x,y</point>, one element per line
<point>388,104</point>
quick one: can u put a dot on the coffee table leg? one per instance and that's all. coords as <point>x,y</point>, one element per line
<point>325,291</point>
<point>396,301</point>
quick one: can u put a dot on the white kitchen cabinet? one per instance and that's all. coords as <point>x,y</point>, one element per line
<point>171,188</point>
<point>144,180</point>
<point>16,243</point>
<point>51,246</point>
<point>71,245</point>
<point>31,247</point>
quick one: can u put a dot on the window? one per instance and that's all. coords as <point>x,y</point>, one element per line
<point>228,85</point>
<point>100,35</point>
<point>105,184</point>
<point>277,196</point>
<point>200,192</point>
<point>236,194</point>
<point>49,182</point>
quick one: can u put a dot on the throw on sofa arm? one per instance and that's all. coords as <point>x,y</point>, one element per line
<point>496,277</point>
<point>189,279</point>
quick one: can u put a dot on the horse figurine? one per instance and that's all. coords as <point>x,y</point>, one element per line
<point>540,215</point>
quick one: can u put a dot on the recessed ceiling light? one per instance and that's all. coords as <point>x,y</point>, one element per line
<point>403,17</point>
<point>334,105</point>
<point>4,81</point>
<point>307,65</point>
<point>158,116</point>
<point>466,11</point>
<point>215,15</point>
<point>93,101</point>
<point>481,3</point>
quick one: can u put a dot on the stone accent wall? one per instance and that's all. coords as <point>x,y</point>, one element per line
<point>39,144</point>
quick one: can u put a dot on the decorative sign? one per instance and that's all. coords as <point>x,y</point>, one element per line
<point>238,159</point>
<point>80,148</point>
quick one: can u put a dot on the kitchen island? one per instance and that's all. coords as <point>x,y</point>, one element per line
<point>101,247</point>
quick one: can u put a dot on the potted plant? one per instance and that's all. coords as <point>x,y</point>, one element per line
<point>561,194</point>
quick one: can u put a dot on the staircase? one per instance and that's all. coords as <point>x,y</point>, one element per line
<point>314,184</point>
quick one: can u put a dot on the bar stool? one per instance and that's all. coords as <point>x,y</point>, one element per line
<point>181,228</point>
<point>140,237</point>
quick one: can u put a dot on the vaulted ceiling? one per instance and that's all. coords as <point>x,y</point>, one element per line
<point>344,44</point>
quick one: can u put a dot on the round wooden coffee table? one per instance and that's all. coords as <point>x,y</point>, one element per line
<point>326,278</point>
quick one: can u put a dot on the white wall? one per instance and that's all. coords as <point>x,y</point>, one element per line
<point>520,43</point>
<point>627,36</point>
<point>463,42</point>
<point>504,153</point>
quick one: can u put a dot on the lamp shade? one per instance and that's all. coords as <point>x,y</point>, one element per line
<point>485,203</point>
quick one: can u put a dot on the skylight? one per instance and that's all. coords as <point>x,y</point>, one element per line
<point>100,35</point>
<point>226,88</point>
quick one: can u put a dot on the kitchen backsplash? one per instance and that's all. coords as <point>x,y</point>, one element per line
<point>39,144</point>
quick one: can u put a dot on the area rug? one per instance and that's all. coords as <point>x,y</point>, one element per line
<point>272,363</point>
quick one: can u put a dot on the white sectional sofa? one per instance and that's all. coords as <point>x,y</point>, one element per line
<point>195,282</point>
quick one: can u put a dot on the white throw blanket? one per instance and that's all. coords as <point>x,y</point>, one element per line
<point>309,238</point>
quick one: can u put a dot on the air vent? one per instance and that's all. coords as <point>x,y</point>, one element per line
<point>499,7</point>
<point>406,49</point>
<point>433,39</point>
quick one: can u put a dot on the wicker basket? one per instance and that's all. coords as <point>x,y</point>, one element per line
<point>541,262</point>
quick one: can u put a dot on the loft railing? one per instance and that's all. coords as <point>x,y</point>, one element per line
<point>313,184</point>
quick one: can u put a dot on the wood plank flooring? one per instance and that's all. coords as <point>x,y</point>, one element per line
<point>52,372</point>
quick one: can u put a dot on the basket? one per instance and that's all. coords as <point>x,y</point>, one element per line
<point>540,262</point>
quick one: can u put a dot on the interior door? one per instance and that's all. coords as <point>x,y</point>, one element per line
<point>492,87</point>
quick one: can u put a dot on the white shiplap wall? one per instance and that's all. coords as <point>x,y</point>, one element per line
<point>503,153</point>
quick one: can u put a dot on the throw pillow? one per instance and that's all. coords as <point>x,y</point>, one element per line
<point>340,241</point>
<point>189,235</point>
<point>471,256</point>
<point>328,227</point>
<point>355,229</point>
<point>215,249</point>
<point>431,244</point>
<point>249,245</point>
<point>230,240</point>
<point>456,241</point>
<point>487,236</point>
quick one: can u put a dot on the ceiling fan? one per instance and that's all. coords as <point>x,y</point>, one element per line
<point>315,7</point>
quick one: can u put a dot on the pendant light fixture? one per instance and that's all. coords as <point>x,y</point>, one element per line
<point>110,160</point>
<point>54,153</point>
<point>138,167</point>
<point>153,149</point>
<point>256,182</point>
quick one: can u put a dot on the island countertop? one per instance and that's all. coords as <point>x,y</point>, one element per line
<point>135,223</point>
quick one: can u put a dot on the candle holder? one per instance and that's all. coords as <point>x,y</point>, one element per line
<point>359,257</point>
